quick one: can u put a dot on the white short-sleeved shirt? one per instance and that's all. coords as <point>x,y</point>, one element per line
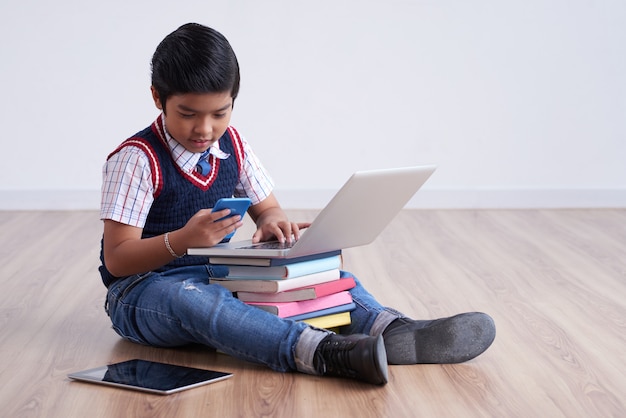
<point>128,188</point>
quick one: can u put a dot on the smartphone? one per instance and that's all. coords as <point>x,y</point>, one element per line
<point>237,206</point>
<point>149,376</point>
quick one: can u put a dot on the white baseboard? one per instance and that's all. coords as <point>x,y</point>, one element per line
<point>49,199</point>
<point>480,198</point>
<point>315,199</point>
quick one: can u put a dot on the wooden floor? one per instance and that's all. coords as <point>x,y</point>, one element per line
<point>554,282</point>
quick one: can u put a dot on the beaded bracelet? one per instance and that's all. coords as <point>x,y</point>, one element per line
<point>169,247</point>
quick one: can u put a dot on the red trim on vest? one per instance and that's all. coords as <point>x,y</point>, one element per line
<point>155,168</point>
<point>204,183</point>
<point>238,145</point>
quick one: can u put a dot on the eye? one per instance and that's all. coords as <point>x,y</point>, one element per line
<point>220,115</point>
<point>186,115</point>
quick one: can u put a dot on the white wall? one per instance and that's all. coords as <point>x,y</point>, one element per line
<point>521,103</point>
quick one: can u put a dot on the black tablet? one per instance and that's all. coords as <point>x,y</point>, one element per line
<point>150,376</point>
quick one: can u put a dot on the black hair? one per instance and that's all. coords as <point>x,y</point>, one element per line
<point>194,59</point>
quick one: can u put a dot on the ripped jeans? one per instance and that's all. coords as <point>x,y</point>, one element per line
<point>179,307</point>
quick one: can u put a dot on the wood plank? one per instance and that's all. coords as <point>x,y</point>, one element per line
<point>553,280</point>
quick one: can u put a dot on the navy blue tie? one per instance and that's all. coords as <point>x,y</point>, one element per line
<point>203,166</point>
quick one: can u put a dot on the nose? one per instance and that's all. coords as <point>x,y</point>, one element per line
<point>204,127</point>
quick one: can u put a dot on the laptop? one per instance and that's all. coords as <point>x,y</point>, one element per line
<point>355,216</point>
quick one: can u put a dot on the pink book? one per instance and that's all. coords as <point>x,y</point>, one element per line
<point>287,309</point>
<point>304,293</point>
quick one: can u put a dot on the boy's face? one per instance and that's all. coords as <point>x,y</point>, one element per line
<point>196,120</point>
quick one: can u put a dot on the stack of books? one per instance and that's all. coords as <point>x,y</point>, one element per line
<point>307,289</point>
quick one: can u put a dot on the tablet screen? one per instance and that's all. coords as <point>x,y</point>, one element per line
<point>150,376</point>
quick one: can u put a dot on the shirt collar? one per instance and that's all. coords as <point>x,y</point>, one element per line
<point>186,159</point>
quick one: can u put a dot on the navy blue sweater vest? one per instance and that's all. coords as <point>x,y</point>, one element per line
<point>179,195</point>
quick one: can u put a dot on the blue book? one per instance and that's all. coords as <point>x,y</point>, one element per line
<point>287,271</point>
<point>328,311</point>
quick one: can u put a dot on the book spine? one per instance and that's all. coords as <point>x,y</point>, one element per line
<point>311,266</point>
<point>302,293</point>
<point>273,286</point>
<point>286,309</point>
<point>284,272</point>
<point>268,262</point>
<point>330,321</point>
<point>335,309</point>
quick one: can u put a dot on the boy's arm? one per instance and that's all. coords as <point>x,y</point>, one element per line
<point>126,253</point>
<point>272,222</point>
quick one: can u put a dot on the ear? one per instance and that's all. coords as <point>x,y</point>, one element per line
<point>156,98</point>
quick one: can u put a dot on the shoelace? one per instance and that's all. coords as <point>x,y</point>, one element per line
<point>333,357</point>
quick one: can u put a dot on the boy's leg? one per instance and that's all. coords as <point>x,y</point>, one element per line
<point>456,339</point>
<point>447,340</point>
<point>369,317</point>
<point>179,307</point>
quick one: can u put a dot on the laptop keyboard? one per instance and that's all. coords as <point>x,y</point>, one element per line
<point>271,245</point>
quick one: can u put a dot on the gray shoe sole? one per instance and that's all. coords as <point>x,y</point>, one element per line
<point>381,360</point>
<point>445,341</point>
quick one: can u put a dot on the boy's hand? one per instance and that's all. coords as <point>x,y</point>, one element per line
<point>282,231</point>
<point>272,223</point>
<point>205,230</point>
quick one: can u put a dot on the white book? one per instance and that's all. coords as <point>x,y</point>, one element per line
<point>279,285</point>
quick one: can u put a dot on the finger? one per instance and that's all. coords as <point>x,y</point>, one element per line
<point>231,221</point>
<point>278,233</point>
<point>265,233</point>
<point>220,214</point>
<point>232,228</point>
<point>298,227</point>
<point>287,230</point>
<point>227,225</point>
<point>295,230</point>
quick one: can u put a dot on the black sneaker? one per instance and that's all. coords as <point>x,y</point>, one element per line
<point>353,356</point>
<point>441,341</point>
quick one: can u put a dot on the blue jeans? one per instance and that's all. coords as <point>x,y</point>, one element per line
<point>179,307</point>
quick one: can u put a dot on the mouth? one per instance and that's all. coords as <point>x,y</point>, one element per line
<point>202,143</point>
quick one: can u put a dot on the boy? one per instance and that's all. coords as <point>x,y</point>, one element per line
<point>158,188</point>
